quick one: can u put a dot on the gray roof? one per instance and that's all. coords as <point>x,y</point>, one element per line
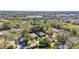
<point>41,34</point>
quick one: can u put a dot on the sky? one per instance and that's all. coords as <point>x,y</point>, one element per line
<point>40,5</point>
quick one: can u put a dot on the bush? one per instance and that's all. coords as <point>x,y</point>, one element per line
<point>9,47</point>
<point>75,47</point>
<point>53,45</point>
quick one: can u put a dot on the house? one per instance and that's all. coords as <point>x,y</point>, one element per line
<point>41,34</point>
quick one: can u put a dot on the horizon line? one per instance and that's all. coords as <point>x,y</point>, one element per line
<point>40,10</point>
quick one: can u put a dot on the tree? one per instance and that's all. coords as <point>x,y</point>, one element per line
<point>73,30</point>
<point>62,38</point>
<point>43,43</point>
<point>53,45</point>
<point>6,26</point>
<point>49,31</point>
<point>75,47</point>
